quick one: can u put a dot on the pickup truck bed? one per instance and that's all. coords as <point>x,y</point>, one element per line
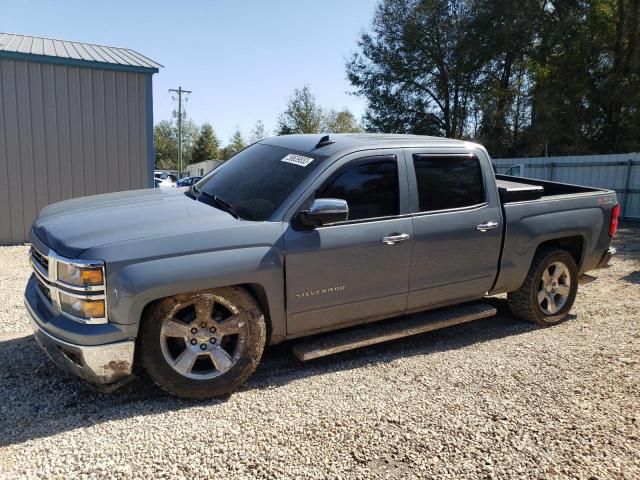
<point>518,189</point>
<point>543,210</point>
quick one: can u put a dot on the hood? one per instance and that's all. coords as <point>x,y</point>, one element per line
<point>72,226</point>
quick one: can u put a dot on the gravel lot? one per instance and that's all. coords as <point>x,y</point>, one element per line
<point>493,399</point>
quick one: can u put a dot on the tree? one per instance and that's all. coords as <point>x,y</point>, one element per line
<point>341,122</point>
<point>190,133</point>
<point>236,144</point>
<point>165,145</point>
<point>586,94</point>
<point>557,76</point>
<point>206,145</point>
<point>501,39</point>
<point>302,114</point>
<point>616,91</point>
<point>414,68</point>
<point>258,132</point>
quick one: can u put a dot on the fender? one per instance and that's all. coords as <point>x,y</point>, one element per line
<point>525,232</point>
<point>140,283</point>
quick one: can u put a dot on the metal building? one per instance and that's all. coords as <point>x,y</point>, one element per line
<point>619,172</point>
<point>75,119</point>
<point>202,168</point>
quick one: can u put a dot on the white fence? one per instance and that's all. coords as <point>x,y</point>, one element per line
<point>620,172</point>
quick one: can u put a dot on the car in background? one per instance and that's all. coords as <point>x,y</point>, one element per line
<point>187,181</point>
<point>164,179</point>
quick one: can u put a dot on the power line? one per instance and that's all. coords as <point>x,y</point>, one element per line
<point>180,92</point>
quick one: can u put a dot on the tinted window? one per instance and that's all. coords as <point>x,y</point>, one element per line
<point>370,188</point>
<point>448,182</point>
<point>258,179</point>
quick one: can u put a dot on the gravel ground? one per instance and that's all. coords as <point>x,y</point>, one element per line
<point>498,398</point>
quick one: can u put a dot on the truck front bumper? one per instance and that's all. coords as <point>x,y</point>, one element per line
<point>97,364</point>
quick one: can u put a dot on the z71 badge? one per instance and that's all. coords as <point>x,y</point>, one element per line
<point>606,200</point>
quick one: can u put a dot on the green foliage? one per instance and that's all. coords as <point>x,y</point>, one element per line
<point>341,122</point>
<point>206,145</point>
<point>556,76</point>
<point>165,142</point>
<point>258,132</point>
<point>236,144</point>
<point>190,133</point>
<point>302,115</point>
<point>414,69</point>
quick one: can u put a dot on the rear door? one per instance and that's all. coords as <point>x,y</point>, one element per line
<point>346,272</point>
<point>457,225</point>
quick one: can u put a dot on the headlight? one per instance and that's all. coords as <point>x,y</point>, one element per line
<point>80,276</point>
<point>80,307</point>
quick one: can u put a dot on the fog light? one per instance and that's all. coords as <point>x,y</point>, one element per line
<point>82,308</point>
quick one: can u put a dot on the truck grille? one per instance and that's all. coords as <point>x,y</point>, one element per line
<point>44,289</point>
<point>51,288</point>
<point>41,260</point>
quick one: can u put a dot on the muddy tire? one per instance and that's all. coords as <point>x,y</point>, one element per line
<point>203,344</point>
<point>548,292</point>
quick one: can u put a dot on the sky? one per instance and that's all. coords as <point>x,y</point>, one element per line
<point>241,58</point>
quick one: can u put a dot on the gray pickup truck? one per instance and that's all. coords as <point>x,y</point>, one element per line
<point>345,240</point>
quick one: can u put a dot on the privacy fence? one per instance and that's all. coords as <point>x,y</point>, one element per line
<point>620,172</point>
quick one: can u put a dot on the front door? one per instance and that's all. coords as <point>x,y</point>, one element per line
<point>355,270</point>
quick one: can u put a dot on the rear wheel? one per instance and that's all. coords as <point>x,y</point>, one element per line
<point>203,344</point>
<point>548,292</point>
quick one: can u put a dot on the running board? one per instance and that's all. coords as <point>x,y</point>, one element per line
<point>370,334</point>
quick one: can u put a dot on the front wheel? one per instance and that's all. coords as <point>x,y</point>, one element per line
<point>203,344</point>
<point>548,292</point>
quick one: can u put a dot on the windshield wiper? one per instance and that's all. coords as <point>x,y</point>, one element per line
<point>227,207</point>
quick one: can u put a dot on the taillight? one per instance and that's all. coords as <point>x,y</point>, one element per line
<point>615,215</point>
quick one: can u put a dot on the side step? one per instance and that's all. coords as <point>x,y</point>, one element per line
<point>383,331</point>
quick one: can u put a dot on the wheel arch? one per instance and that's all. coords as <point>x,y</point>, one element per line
<point>517,260</point>
<point>259,294</point>
<point>256,290</point>
<point>573,244</point>
<point>258,270</point>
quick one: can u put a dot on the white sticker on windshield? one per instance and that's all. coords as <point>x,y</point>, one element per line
<point>297,160</point>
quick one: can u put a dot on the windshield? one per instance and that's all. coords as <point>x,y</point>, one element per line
<point>258,179</point>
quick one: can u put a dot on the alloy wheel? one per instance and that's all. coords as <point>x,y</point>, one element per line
<point>203,337</point>
<point>554,288</point>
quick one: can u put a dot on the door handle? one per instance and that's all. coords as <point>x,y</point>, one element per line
<point>483,227</point>
<point>395,238</point>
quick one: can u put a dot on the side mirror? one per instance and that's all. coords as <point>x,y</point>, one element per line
<point>323,211</point>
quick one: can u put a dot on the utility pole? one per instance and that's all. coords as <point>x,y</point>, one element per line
<point>179,91</point>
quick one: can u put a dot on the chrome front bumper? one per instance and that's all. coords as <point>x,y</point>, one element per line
<point>97,364</point>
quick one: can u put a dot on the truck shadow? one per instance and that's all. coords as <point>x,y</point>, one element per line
<point>626,241</point>
<point>38,400</point>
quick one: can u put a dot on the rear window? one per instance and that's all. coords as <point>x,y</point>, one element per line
<point>448,182</point>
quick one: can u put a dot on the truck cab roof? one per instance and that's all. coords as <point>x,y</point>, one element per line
<point>359,141</point>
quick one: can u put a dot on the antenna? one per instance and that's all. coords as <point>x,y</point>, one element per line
<point>324,141</point>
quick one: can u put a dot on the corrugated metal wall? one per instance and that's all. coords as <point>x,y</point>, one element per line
<point>620,172</point>
<point>67,132</point>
